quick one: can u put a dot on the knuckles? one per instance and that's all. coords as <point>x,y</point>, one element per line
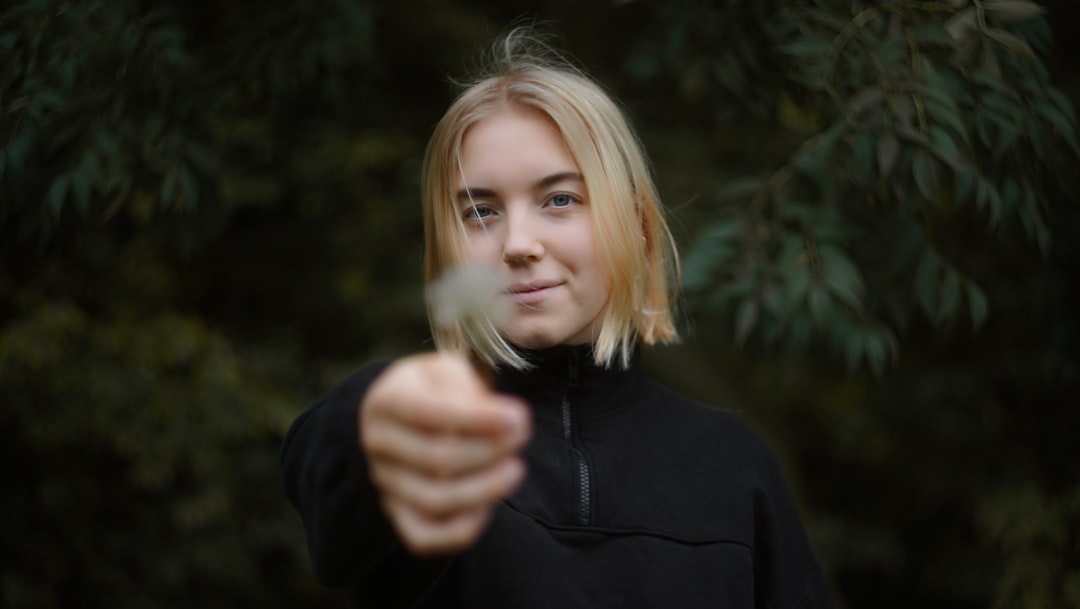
<point>438,482</point>
<point>429,537</point>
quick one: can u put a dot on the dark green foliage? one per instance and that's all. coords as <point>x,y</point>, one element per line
<point>918,133</point>
<point>170,182</point>
<point>209,215</point>
<point>139,464</point>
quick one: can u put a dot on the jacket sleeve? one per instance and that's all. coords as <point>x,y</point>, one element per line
<point>350,541</point>
<point>788,574</point>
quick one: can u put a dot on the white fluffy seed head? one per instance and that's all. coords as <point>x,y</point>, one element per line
<point>468,295</point>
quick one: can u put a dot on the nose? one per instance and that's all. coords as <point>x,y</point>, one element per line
<point>523,243</point>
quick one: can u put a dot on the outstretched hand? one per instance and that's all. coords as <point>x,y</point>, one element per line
<point>443,449</point>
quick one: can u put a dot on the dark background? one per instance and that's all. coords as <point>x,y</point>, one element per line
<point>209,216</point>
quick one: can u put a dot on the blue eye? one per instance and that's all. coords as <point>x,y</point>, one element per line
<point>562,200</point>
<point>476,212</point>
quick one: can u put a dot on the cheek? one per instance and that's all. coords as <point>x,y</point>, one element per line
<point>482,248</point>
<point>591,254</point>
<point>592,262</point>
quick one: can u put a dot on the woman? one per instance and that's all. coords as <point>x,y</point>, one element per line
<point>573,480</point>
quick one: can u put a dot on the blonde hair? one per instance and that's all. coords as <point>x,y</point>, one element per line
<point>632,235</point>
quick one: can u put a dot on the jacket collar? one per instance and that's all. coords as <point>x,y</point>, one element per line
<point>569,372</point>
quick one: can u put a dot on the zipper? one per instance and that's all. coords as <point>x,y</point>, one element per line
<point>584,483</point>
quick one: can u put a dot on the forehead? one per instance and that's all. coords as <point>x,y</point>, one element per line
<point>513,142</point>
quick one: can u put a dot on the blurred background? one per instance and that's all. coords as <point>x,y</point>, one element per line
<point>209,217</point>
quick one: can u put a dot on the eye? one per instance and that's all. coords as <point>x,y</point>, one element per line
<point>562,200</point>
<point>476,213</point>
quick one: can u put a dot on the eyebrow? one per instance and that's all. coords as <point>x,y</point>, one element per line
<point>466,194</point>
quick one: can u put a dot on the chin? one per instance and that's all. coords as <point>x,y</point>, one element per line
<point>532,343</point>
<point>541,340</point>
<point>532,340</point>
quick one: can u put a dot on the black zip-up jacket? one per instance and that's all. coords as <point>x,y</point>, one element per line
<point>635,497</point>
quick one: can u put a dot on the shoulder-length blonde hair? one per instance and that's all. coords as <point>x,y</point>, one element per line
<point>632,235</point>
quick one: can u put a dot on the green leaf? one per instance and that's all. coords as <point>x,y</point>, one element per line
<point>741,188</point>
<point>862,158</point>
<point>1011,132</point>
<point>841,275</point>
<point>961,25</point>
<point>746,317</point>
<point>965,183</point>
<point>808,47</point>
<point>988,79</point>
<point>876,354</point>
<point>800,330</point>
<point>106,143</point>
<point>904,108</point>
<point>1036,137</point>
<point>67,73</point>
<point>932,34</point>
<point>795,289</point>
<point>189,188</point>
<point>907,245</point>
<point>938,88</point>
<point>791,258</point>
<point>945,148</point>
<point>950,295</point>
<point>153,127</point>
<point>1013,10</point>
<point>1010,193</point>
<point>865,99</point>
<point>983,129</point>
<point>946,112</point>
<point>888,150</point>
<point>745,284</point>
<point>799,213</point>
<point>20,146</point>
<point>1059,120</point>
<point>977,304</point>
<point>853,350</point>
<point>818,300</point>
<point>713,248</point>
<point>1000,104</point>
<point>1033,214</point>
<point>830,226</point>
<point>57,194</point>
<point>200,159</point>
<point>926,283</point>
<point>989,59</point>
<point>966,50</point>
<point>1010,41</point>
<point>816,160</point>
<point>987,196</point>
<point>80,186</point>
<point>925,176</point>
<point>169,189</point>
<point>8,40</point>
<point>44,101</point>
<point>1061,101</point>
<point>722,232</point>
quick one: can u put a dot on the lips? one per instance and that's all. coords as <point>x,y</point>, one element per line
<point>533,291</point>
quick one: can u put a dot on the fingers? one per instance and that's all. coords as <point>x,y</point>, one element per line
<point>441,392</point>
<point>429,412</point>
<point>438,456</point>
<point>455,408</point>
<point>423,536</point>
<point>441,448</point>
<point>437,499</point>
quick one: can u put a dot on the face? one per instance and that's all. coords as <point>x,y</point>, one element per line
<point>526,211</point>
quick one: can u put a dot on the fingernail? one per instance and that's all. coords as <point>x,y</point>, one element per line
<point>513,414</point>
<point>514,471</point>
